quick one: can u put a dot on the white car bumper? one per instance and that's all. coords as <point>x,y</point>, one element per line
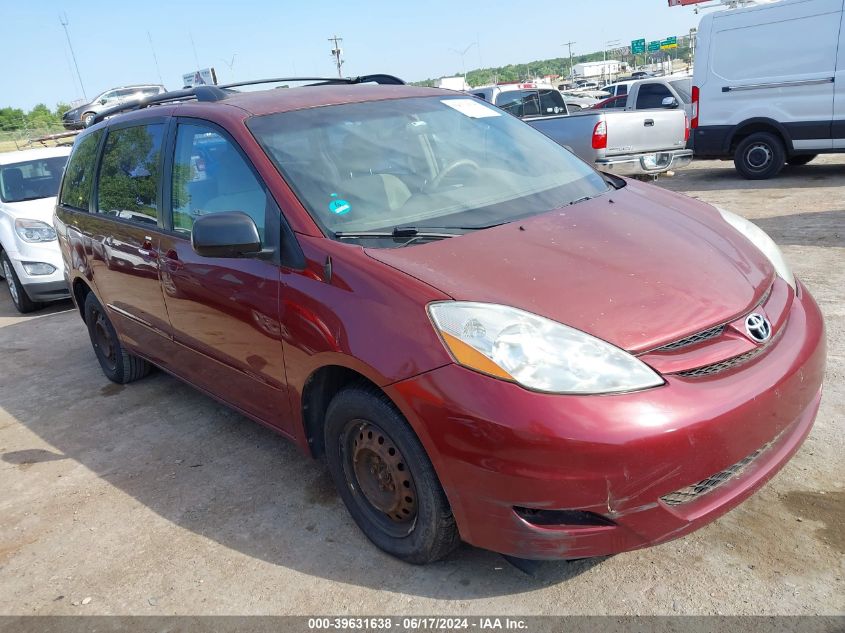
<point>39,287</point>
<point>651,163</point>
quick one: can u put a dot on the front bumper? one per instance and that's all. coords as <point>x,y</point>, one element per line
<point>41,288</point>
<point>649,163</point>
<point>497,446</point>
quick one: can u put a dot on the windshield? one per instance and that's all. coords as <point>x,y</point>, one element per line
<point>446,163</point>
<point>31,179</point>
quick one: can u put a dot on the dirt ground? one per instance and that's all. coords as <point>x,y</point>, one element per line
<point>152,499</point>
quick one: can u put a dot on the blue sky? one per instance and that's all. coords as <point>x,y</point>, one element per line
<point>267,39</point>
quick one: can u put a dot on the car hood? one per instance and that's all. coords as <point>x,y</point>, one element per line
<point>40,209</point>
<point>638,267</point>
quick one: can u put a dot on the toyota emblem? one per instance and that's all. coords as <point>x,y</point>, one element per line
<point>758,327</point>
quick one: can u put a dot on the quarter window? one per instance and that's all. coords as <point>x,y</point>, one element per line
<point>211,176</point>
<point>79,175</point>
<point>130,174</point>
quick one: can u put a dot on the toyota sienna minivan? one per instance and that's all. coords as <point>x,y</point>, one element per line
<point>487,340</point>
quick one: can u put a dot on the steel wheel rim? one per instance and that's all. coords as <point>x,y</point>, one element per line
<point>376,469</point>
<point>103,340</point>
<point>13,289</point>
<point>758,156</point>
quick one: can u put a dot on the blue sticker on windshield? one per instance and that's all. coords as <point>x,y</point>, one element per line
<point>339,206</point>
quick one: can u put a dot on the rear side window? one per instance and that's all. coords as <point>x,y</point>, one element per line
<point>130,173</point>
<point>79,175</point>
<point>551,103</point>
<point>211,176</point>
<point>520,103</point>
<point>651,96</point>
<point>621,89</point>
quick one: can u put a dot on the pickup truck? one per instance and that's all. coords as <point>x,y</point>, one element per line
<point>626,143</point>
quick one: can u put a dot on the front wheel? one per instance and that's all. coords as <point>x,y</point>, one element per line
<point>118,365</point>
<point>760,156</point>
<point>385,478</point>
<point>88,119</point>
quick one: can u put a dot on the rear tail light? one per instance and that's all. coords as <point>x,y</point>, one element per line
<point>695,111</point>
<point>600,135</point>
<point>686,128</point>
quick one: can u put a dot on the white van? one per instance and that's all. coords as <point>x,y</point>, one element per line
<point>769,85</point>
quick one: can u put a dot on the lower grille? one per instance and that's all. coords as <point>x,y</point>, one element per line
<point>690,493</point>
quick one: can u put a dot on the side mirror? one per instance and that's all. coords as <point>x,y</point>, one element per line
<point>104,101</point>
<point>229,234</point>
<point>669,102</point>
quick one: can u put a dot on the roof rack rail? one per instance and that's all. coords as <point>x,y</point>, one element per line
<point>323,81</point>
<point>198,93</point>
<point>218,93</point>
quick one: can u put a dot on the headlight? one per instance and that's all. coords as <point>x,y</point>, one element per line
<point>34,230</point>
<point>762,241</point>
<point>536,352</point>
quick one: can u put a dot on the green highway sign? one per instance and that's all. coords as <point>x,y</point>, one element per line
<point>637,46</point>
<point>654,46</point>
<point>669,42</point>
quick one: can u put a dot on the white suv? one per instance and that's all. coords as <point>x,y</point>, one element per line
<point>30,260</point>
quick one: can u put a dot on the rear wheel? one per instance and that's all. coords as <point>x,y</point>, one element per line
<point>385,478</point>
<point>760,156</point>
<point>22,302</point>
<point>118,365</point>
<point>801,159</point>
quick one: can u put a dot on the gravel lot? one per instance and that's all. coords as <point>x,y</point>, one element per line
<point>152,499</point>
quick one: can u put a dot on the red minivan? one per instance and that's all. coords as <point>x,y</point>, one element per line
<point>487,340</point>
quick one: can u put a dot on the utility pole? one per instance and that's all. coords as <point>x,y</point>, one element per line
<point>569,44</point>
<point>64,22</point>
<point>337,51</point>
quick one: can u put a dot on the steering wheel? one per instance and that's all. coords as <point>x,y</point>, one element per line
<point>461,162</point>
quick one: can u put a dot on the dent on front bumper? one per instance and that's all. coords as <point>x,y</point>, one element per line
<point>497,446</point>
<point>649,163</point>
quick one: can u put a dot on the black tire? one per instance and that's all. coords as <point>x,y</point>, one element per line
<point>87,119</point>
<point>800,159</point>
<point>118,365</point>
<point>22,302</point>
<point>760,156</point>
<point>414,522</point>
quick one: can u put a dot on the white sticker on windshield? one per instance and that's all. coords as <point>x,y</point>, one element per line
<point>471,108</point>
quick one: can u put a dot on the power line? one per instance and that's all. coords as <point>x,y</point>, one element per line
<point>337,51</point>
<point>155,58</point>
<point>64,22</point>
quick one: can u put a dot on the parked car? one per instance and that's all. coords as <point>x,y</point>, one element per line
<point>639,144</point>
<point>30,260</point>
<point>82,116</point>
<point>624,143</point>
<point>613,103</point>
<point>765,114</point>
<point>576,102</point>
<point>641,74</point>
<point>486,339</point>
<point>523,99</point>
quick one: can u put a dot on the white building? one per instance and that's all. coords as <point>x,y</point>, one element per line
<point>595,70</point>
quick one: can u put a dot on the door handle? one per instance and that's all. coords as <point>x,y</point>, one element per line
<point>649,123</point>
